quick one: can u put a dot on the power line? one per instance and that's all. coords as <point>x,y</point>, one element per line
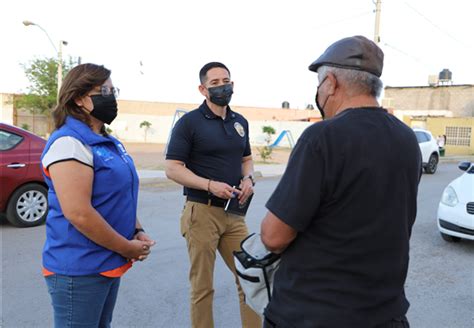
<point>435,25</point>
<point>403,52</point>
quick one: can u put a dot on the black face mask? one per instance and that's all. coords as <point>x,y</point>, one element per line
<point>221,95</point>
<point>320,108</point>
<point>105,108</point>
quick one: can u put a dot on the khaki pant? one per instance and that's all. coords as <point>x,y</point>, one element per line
<point>207,229</point>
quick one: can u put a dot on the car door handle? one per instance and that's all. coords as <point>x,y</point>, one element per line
<point>16,165</point>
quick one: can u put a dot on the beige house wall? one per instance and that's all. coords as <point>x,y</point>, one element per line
<point>25,119</point>
<point>127,128</point>
<point>250,113</point>
<point>36,123</point>
<point>458,99</point>
<point>413,105</point>
<point>437,126</point>
<point>434,108</point>
<point>6,108</point>
<point>161,116</point>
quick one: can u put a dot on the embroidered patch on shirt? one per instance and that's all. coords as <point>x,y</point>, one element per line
<point>103,153</point>
<point>122,148</point>
<point>240,129</point>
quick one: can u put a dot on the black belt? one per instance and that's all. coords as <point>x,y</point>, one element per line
<point>211,201</point>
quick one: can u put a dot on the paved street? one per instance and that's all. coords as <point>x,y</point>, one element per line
<point>154,293</point>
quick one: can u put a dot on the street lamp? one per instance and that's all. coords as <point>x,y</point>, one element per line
<point>59,53</point>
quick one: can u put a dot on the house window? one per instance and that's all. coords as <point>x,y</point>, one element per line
<point>458,136</point>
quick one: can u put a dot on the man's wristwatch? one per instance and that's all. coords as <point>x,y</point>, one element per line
<point>137,230</point>
<point>249,177</point>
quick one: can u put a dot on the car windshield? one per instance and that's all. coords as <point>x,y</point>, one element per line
<point>421,136</point>
<point>471,170</point>
<point>9,140</point>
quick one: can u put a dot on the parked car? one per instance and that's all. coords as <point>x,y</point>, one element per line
<point>23,192</point>
<point>456,208</point>
<point>429,150</point>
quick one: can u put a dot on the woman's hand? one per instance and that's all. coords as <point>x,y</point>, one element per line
<point>137,249</point>
<point>142,236</point>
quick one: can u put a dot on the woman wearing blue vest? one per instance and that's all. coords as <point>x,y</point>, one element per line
<point>92,232</point>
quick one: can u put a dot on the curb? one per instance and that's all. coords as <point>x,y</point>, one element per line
<point>457,159</point>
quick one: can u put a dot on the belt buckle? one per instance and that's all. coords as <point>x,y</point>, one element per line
<point>209,202</point>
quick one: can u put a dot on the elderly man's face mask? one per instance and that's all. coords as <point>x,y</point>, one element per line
<point>321,108</point>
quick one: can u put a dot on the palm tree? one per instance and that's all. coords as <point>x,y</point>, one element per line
<point>146,125</point>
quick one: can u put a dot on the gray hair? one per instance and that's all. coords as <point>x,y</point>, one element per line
<point>357,81</point>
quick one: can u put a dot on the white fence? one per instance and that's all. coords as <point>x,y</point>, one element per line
<point>127,128</point>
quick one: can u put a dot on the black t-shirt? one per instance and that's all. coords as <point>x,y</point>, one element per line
<point>210,147</point>
<point>350,191</point>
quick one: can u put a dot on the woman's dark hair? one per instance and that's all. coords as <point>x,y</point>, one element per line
<point>77,83</point>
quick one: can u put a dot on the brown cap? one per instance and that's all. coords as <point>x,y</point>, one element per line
<point>356,52</point>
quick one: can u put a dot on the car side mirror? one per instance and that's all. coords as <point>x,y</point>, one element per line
<point>464,166</point>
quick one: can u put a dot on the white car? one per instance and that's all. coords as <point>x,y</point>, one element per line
<point>429,150</point>
<point>456,208</point>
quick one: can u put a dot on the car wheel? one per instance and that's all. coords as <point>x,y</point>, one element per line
<point>432,165</point>
<point>449,238</point>
<point>28,206</point>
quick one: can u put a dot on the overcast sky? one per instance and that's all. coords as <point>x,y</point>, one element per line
<point>267,44</point>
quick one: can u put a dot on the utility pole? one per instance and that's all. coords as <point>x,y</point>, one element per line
<point>60,64</point>
<point>378,8</point>
<point>58,53</point>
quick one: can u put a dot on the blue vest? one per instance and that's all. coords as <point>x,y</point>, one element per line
<point>114,195</point>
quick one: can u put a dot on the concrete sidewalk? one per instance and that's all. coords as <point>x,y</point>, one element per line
<point>457,159</point>
<point>264,170</point>
<point>272,170</point>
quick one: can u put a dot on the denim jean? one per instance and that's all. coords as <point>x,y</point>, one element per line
<point>82,301</point>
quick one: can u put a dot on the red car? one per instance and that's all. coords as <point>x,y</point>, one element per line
<point>23,192</point>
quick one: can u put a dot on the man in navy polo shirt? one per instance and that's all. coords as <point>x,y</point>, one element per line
<point>342,214</point>
<point>209,154</point>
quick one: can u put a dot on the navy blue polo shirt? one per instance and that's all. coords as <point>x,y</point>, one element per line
<point>210,147</point>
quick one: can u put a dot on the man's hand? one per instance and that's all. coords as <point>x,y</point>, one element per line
<point>246,187</point>
<point>222,190</point>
